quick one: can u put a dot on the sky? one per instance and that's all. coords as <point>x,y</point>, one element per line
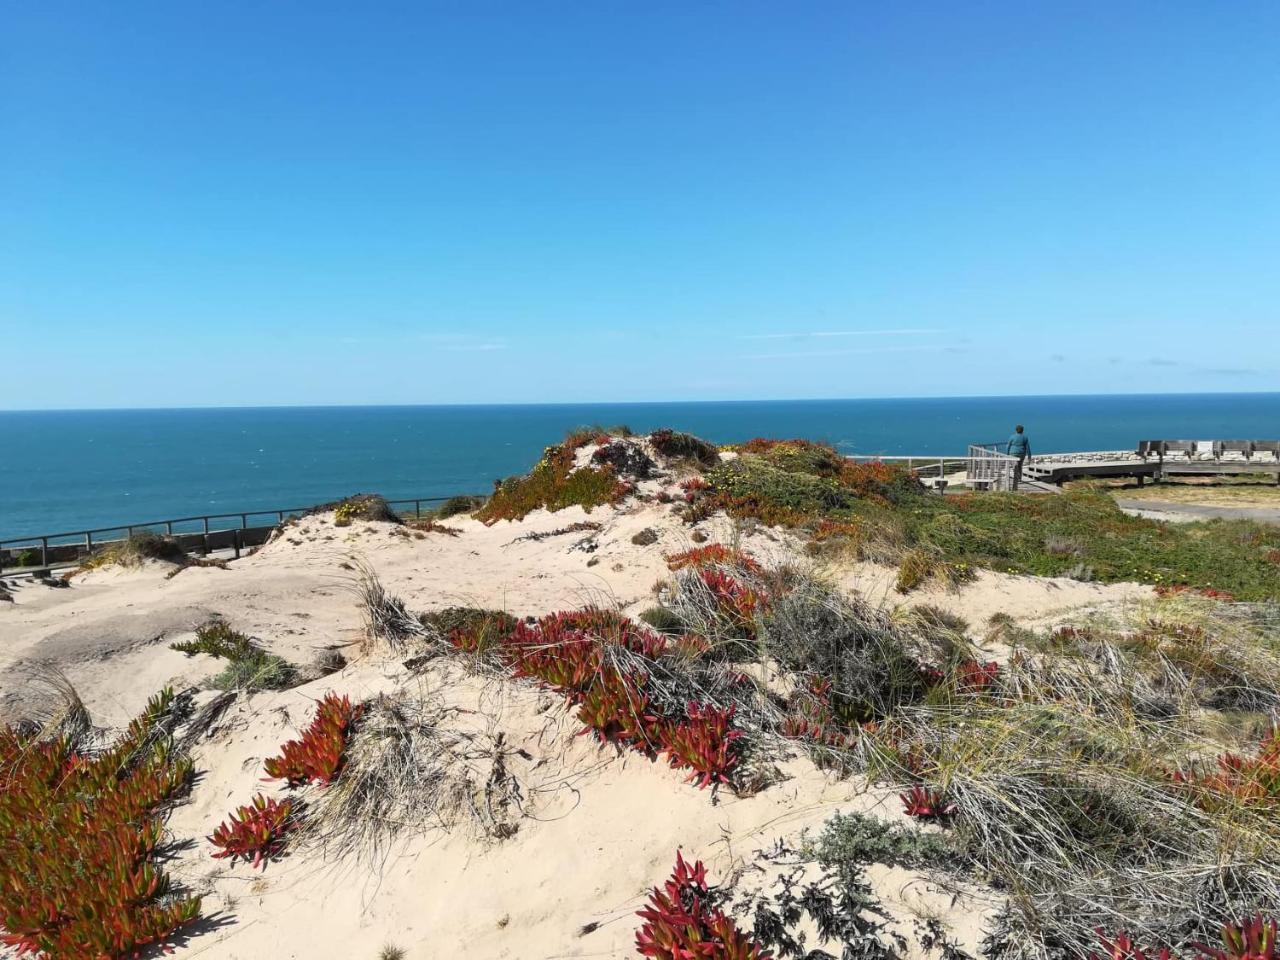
<point>314,203</point>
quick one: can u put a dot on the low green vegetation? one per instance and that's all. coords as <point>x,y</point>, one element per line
<point>136,550</point>
<point>362,506</point>
<point>457,505</point>
<point>858,838</point>
<point>890,517</point>
<point>554,484</point>
<point>472,629</point>
<point>249,667</point>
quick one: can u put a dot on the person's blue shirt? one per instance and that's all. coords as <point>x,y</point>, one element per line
<point>1019,445</point>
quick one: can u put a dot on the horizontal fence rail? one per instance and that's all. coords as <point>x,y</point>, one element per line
<point>990,467</point>
<point>207,528</point>
<point>981,466</point>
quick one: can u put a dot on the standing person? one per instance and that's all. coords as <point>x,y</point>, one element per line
<point>1020,447</point>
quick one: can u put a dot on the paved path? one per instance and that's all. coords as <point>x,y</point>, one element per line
<point>1186,512</point>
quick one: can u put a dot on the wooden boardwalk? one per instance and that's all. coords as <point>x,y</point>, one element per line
<point>1157,459</point>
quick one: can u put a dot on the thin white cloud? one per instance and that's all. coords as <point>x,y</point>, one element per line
<point>844,353</point>
<point>900,332</point>
<point>464,342</point>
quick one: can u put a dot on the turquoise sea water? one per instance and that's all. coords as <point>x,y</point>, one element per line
<point>69,470</point>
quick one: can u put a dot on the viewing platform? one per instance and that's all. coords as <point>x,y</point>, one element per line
<point>1156,459</point>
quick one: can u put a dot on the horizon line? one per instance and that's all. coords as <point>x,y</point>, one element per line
<point>639,403</point>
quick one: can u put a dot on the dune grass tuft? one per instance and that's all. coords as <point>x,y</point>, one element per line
<point>407,772</point>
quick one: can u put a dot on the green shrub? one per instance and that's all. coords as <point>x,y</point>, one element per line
<point>249,667</point>
<point>553,484</point>
<point>258,671</point>
<point>217,639</point>
<point>753,478</point>
<point>954,537</point>
<point>361,506</point>
<point>856,838</point>
<point>815,631</point>
<point>798,456</point>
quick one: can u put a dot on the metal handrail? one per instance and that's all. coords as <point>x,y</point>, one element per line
<point>87,536</point>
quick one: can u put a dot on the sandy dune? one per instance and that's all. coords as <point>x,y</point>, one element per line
<point>595,829</point>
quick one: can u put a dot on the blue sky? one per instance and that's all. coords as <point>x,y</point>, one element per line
<point>233,203</point>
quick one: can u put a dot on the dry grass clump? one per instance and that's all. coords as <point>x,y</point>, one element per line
<point>387,621</point>
<point>61,715</point>
<point>135,551</point>
<point>872,663</point>
<point>406,773</point>
<point>1058,779</point>
<point>720,595</point>
<point>926,565</point>
<point>1200,653</point>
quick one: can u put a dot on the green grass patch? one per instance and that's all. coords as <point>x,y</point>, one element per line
<point>249,667</point>
<point>1080,534</point>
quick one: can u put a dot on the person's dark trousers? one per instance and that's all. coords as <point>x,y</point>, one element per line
<point>1017,472</point>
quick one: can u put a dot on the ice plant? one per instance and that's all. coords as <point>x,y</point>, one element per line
<point>78,839</point>
<point>568,653</point>
<point>703,743</point>
<point>926,803</point>
<point>1249,780</point>
<point>1122,948</point>
<point>683,922</point>
<point>256,832</point>
<point>974,677</point>
<point>317,756</point>
<point>1165,591</point>
<point>1252,938</point>
<point>712,555</point>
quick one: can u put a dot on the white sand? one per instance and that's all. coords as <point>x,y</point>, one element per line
<point>599,828</point>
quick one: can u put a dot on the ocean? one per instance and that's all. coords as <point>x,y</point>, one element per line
<point>72,470</point>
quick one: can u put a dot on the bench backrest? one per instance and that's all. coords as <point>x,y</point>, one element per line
<point>1234,446</point>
